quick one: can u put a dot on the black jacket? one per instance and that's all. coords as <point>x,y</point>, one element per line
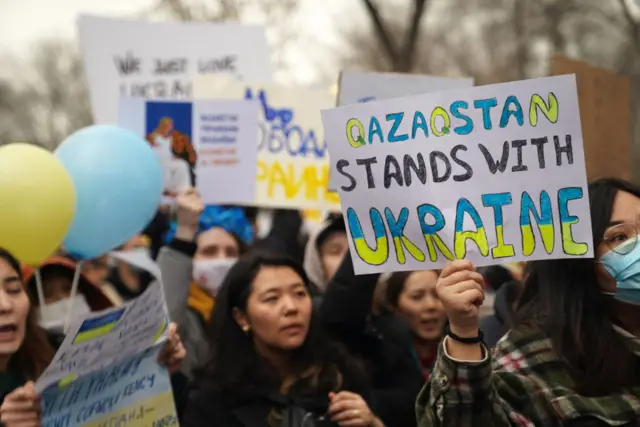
<point>495,326</point>
<point>250,406</point>
<point>383,342</point>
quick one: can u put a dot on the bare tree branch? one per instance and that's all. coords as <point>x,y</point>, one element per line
<point>522,48</point>
<point>406,59</point>
<point>634,26</point>
<point>381,31</point>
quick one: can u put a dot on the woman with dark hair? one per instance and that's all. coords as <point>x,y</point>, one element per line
<point>270,364</point>
<point>572,357</point>
<point>412,296</point>
<point>25,350</point>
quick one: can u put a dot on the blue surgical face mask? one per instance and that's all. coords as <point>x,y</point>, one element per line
<point>625,269</point>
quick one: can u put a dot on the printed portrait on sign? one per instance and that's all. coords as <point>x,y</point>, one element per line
<point>169,131</point>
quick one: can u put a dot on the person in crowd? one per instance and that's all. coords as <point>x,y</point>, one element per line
<point>58,302</point>
<point>25,351</point>
<point>325,251</point>
<point>494,326</point>
<point>281,231</point>
<point>176,171</point>
<point>270,364</point>
<point>384,341</point>
<point>127,280</point>
<point>203,245</point>
<point>571,358</point>
<point>412,296</point>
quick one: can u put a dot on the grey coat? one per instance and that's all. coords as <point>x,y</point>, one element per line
<point>176,263</point>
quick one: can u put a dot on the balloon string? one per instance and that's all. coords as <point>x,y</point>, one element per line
<point>74,291</point>
<point>39,288</point>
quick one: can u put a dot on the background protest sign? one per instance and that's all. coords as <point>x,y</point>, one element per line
<point>493,174</point>
<point>293,165</point>
<point>135,392</point>
<point>360,86</point>
<point>606,117</point>
<point>157,60</point>
<point>222,134</point>
<point>98,340</point>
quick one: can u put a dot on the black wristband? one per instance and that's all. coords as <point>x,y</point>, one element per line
<point>474,340</point>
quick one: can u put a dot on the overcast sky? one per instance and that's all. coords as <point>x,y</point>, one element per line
<point>24,22</point>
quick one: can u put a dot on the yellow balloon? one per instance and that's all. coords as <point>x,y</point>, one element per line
<point>37,202</point>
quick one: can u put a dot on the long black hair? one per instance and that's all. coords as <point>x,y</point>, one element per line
<point>234,365</point>
<point>35,352</point>
<point>564,299</point>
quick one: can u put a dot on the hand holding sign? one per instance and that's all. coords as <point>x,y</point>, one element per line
<point>461,290</point>
<point>173,352</point>
<point>21,408</point>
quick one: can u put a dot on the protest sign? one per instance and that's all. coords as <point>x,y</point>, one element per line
<point>359,86</point>
<point>223,160</point>
<point>135,392</point>
<point>605,110</point>
<point>102,339</point>
<point>362,86</point>
<point>293,167</point>
<point>157,60</point>
<point>492,174</point>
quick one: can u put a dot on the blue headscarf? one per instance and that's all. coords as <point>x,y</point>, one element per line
<point>232,220</point>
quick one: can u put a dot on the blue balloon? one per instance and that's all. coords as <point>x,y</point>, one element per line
<point>118,181</point>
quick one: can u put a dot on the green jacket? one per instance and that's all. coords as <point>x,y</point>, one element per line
<point>523,383</point>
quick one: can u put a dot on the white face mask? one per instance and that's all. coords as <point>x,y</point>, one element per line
<point>209,273</point>
<point>53,316</point>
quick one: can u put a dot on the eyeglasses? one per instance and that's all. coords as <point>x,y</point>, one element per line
<point>621,238</point>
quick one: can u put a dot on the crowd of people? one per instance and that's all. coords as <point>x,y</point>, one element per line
<point>272,328</point>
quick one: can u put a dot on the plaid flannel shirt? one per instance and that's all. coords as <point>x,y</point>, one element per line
<point>523,384</point>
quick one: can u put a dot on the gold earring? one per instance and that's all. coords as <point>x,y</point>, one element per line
<point>246,329</point>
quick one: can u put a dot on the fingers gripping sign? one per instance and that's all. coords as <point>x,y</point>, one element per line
<point>461,289</point>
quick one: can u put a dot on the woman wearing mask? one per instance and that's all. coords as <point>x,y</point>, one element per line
<point>412,296</point>
<point>203,245</point>
<point>572,357</point>
<point>25,351</point>
<point>270,364</point>
<point>57,301</point>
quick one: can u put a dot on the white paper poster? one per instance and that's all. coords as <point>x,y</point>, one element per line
<point>135,392</point>
<point>99,340</point>
<point>293,164</point>
<point>493,174</point>
<point>211,142</point>
<point>158,60</point>
<point>360,86</point>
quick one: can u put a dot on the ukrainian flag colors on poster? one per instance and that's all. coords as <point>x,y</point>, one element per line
<point>101,340</point>
<point>293,162</point>
<point>135,391</point>
<point>494,174</point>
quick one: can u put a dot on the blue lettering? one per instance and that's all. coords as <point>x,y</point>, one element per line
<point>486,105</point>
<point>397,120</point>
<point>419,122</point>
<point>375,129</point>
<point>467,128</point>
<point>279,133</point>
<point>507,112</point>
